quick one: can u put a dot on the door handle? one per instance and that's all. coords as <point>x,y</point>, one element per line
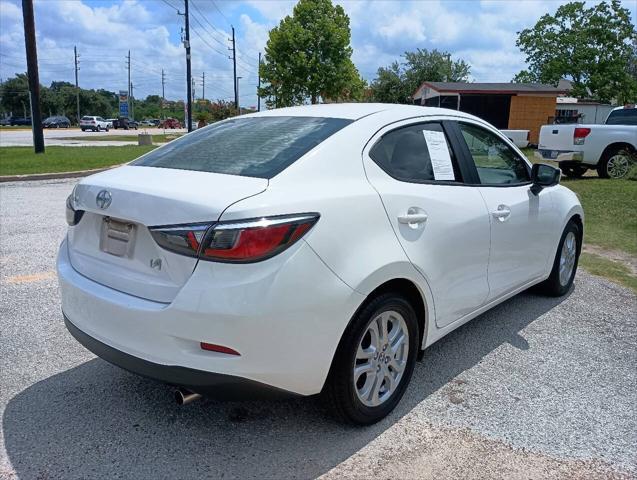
<point>412,218</point>
<point>502,213</point>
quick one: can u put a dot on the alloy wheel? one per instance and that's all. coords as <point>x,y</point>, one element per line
<point>618,165</point>
<point>381,358</point>
<point>567,258</point>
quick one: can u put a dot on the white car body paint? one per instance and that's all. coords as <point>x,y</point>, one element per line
<point>286,314</point>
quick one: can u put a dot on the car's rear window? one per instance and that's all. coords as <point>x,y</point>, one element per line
<point>253,147</point>
<point>625,116</point>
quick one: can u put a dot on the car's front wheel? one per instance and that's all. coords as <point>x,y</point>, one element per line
<point>374,361</point>
<point>565,263</point>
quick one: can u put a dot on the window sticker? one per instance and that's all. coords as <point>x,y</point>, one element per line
<point>439,155</point>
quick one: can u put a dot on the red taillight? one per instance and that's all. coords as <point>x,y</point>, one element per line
<point>211,347</point>
<point>580,134</point>
<point>255,240</point>
<point>235,242</point>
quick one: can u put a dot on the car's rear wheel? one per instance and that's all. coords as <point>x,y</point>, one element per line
<point>615,163</point>
<point>374,361</point>
<point>565,263</point>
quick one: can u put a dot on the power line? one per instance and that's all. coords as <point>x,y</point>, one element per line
<point>170,5</point>
<point>219,10</point>
<point>223,34</point>
<point>204,41</point>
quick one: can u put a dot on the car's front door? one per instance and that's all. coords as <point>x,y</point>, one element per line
<point>522,223</point>
<point>442,225</point>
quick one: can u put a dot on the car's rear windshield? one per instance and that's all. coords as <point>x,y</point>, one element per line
<point>253,147</point>
<point>625,116</point>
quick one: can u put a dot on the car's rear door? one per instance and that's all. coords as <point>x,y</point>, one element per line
<point>523,224</point>
<point>442,225</point>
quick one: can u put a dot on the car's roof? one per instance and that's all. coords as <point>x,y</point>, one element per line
<point>354,111</point>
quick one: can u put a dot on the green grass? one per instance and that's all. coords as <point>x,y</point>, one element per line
<point>610,211</point>
<point>609,269</point>
<point>161,138</point>
<point>22,160</point>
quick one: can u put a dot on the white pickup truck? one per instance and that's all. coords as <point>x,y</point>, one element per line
<point>610,148</point>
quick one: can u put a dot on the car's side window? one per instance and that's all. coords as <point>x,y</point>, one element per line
<point>417,153</point>
<point>497,163</point>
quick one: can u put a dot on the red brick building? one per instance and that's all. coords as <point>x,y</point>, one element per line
<point>515,106</point>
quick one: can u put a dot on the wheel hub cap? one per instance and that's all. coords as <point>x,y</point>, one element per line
<point>381,358</point>
<point>567,258</point>
<point>618,165</point>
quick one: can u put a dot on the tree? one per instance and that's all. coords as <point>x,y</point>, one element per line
<point>590,46</point>
<point>308,55</point>
<point>15,95</point>
<point>398,82</point>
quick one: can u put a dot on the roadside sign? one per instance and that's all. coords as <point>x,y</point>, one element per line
<point>123,103</point>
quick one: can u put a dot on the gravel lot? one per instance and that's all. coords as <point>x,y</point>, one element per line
<point>536,388</point>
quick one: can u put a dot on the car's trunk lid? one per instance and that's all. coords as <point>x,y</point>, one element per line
<point>112,244</point>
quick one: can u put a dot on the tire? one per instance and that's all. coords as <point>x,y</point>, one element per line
<point>107,129</point>
<point>558,284</point>
<point>84,129</point>
<point>347,400</point>
<point>573,171</point>
<point>615,163</point>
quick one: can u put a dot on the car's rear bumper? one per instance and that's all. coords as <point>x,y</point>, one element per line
<point>559,155</point>
<point>215,385</point>
<point>284,316</point>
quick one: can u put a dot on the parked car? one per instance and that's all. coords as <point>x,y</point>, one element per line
<point>111,121</point>
<point>5,122</point>
<point>150,122</point>
<point>57,121</point>
<point>125,123</point>
<point>13,121</point>
<point>610,148</point>
<point>306,250</point>
<point>519,137</point>
<point>90,122</point>
<point>169,123</point>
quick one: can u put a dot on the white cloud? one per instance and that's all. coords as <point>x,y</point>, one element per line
<point>482,33</point>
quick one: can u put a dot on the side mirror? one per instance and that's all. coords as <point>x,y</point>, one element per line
<point>542,176</point>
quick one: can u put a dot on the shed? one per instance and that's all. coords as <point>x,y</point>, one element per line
<point>515,106</point>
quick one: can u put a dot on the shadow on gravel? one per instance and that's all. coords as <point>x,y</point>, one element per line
<point>97,421</point>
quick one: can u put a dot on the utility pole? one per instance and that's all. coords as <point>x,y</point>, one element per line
<point>234,67</point>
<point>203,86</point>
<point>236,89</point>
<point>32,71</point>
<point>259,85</point>
<point>129,84</point>
<point>188,69</point>
<point>77,84</point>
<point>163,92</point>
<point>163,85</point>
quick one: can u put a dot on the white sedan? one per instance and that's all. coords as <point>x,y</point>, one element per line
<point>316,249</point>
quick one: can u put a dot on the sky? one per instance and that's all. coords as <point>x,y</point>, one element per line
<point>482,32</point>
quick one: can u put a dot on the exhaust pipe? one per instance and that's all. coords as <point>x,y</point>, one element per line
<point>184,396</point>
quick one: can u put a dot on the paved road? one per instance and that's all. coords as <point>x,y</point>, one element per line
<point>15,138</point>
<point>536,388</point>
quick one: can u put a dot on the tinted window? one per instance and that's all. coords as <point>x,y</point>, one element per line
<point>252,147</point>
<point>625,116</point>
<point>405,154</point>
<point>497,163</point>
